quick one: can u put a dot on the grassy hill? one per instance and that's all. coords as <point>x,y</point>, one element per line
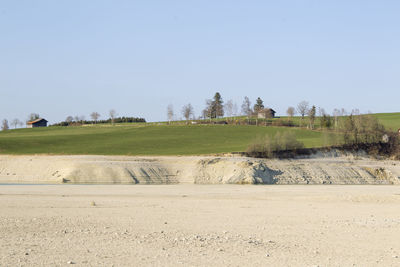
<point>142,139</point>
<point>153,139</point>
<point>389,120</point>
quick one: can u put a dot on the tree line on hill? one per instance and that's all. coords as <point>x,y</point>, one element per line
<point>74,120</point>
<point>16,122</point>
<point>112,119</point>
<point>355,130</point>
<point>215,108</point>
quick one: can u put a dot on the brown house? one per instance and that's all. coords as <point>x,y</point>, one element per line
<point>266,113</point>
<point>36,123</point>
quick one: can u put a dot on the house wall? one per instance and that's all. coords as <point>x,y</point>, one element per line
<point>39,124</point>
<point>263,115</point>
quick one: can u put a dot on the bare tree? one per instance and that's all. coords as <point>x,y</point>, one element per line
<point>302,108</point>
<point>235,109</point>
<point>170,113</point>
<point>78,119</point>
<point>204,113</point>
<point>355,112</point>
<point>336,114</point>
<point>229,108</point>
<point>95,116</point>
<point>324,118</point>
<point>15,123</point>
<point>112,114</point>
<point>311,116</point>
<point>208,110</point>
<point>321,111</point>
<point>69,119</point>
<point>187,111</point>
<point>246,107</point>
<point>290,112</point>
<point>33,116</point>
<point>4,125</point>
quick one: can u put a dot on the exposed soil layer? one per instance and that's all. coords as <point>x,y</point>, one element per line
<point>322,168</point>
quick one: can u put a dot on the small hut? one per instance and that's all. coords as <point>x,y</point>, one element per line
<point>37,123</point>
<point>266,113</point>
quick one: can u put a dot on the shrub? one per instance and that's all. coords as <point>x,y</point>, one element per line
<point>281,122</point>
<point>268,146</point>
<point>362,129</point>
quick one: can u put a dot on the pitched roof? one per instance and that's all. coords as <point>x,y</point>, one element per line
<point>35,121</point>
<point>267,110</point>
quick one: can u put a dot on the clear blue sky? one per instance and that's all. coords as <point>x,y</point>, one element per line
<point>60,58</point>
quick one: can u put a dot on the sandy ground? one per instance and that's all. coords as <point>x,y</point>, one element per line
<point>199,225</point>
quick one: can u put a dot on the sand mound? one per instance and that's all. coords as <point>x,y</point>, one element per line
<point>198,170</point>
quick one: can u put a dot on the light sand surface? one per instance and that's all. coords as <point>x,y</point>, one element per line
<point>199,225</point>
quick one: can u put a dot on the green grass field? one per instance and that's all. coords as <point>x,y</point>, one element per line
<point>142,139</point>
<point>389,120</point>
<point>153,139</point>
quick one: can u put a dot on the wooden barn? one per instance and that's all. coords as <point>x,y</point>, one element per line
<point>36,123</point>
<point>266,113</point>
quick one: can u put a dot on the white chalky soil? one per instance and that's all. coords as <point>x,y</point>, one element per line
<point>199,225</point>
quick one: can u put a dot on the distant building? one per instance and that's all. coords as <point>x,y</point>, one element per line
<point>266,113</point>
<point>36,123</point>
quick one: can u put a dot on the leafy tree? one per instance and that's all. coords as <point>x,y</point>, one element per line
<point>217,106</point>
<point>259,105</point>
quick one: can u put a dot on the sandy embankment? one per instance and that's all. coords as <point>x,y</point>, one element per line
<point>198,170</point>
